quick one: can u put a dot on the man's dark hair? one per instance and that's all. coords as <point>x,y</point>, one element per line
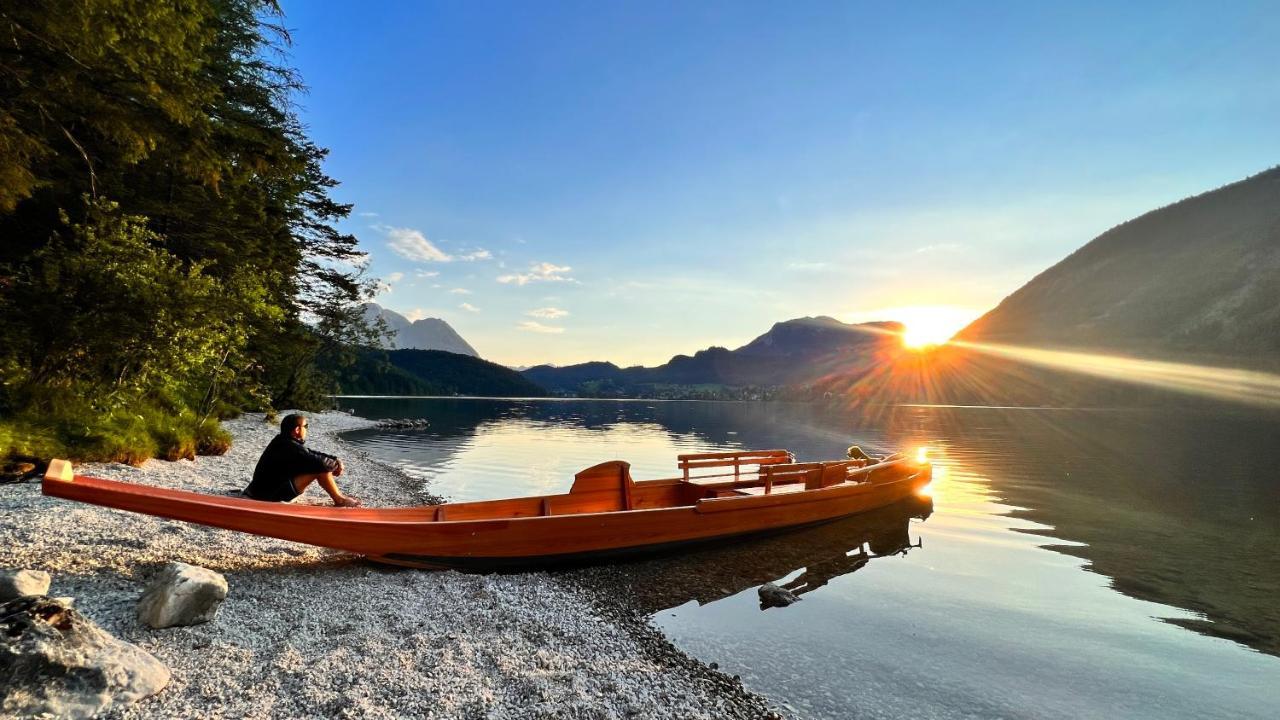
<point>290,422</point>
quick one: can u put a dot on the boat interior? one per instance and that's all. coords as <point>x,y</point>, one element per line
<point>608,487</point>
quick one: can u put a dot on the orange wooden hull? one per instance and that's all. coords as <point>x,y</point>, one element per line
<point>429,537</point>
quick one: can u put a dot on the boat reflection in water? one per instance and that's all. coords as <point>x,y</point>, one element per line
<point>878,537</point>
<point>820,554</point>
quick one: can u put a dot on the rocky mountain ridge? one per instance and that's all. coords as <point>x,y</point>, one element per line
<point>793,352</point>
<point>423,334</point>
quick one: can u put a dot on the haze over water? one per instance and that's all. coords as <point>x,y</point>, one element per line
<point>1074,564</point>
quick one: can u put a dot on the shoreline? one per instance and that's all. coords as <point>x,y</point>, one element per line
<point>311,631</point>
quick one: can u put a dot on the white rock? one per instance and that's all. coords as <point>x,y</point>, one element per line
<point>15,584</point>
<point>60,664</point>
<point>182,594</point>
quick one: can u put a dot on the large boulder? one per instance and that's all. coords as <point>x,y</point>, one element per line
<point>56,662</point>
<point>17,583</point>
<point>182,594</point>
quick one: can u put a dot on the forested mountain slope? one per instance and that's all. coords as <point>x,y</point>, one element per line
<point>430,372</point>
<point>1200,277</point>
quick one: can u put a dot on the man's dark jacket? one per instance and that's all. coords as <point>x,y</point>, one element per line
<point>284,459</point>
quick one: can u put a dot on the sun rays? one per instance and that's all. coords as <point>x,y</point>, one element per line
<point>1250,387</point>
<point>957,371</point>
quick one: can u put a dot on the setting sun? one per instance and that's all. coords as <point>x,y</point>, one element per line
<point>929,325</point>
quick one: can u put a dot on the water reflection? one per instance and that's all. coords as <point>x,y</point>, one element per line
<point>985,622</point>
<point>808,559</point>
<point>821,567</point>
<point>1012,607</point>
<point>1176,507</point>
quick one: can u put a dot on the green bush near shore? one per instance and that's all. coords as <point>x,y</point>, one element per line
<point>130,436</point>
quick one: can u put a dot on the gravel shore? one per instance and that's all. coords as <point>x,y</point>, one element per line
<point>307,631</point>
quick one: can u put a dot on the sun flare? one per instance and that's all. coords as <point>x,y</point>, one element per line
<point>927,326</point>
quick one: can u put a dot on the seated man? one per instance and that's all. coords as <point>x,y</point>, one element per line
<point>287,467</point>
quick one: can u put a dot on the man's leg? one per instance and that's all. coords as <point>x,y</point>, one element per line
<point>327,482</point>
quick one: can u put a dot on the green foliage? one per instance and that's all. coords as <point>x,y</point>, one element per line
<point>373,374</point>
<point>211,439</point>
<point>82,80</point>
<point>171,325</point>
<point>67,426</point>
<point>170,252</point>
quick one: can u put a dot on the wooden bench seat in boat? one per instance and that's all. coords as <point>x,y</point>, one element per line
<point>736,460</point>
<point>795,477</point>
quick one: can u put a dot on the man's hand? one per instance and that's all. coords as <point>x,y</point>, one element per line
<point>337,471</point>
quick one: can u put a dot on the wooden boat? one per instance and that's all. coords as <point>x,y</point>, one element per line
<point>605,514</point>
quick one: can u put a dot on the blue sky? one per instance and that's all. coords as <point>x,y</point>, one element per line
<point>565,182</point>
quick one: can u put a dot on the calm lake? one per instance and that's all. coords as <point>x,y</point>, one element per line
<point>1102,563</point>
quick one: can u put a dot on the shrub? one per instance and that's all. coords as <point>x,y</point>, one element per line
<point>211,439</point>
<point>67,428</point>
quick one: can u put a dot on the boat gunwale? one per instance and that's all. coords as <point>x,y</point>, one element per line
<point>426,515</point>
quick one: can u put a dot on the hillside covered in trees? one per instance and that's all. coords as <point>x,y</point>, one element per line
<point>170,253</point>
<point>429,372</point>
<point>1198,279</point>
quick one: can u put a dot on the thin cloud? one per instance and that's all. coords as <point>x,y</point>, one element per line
<point>539,272</point>
<point>460,291</point>
<point>548,313</point>
<point>395,277</point>
<point>368,214</point>
<point>412,245</point>
<point>469,307</point>
<point>415,314</point>
<point>426,273</point>
<point>939,247</point>
<point>537,327</point>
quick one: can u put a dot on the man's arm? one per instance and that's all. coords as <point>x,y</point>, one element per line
<point>334,464</point>
<point>329,462</point>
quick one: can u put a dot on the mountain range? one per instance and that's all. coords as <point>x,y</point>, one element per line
<point>1195,281</point>
<point>424,334</point>
<point>795,352</point>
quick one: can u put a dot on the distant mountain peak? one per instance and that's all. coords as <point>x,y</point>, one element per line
<point>424,334</point>
<point>807,335</point>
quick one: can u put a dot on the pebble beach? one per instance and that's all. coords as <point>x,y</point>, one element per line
<point>307,631</point>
